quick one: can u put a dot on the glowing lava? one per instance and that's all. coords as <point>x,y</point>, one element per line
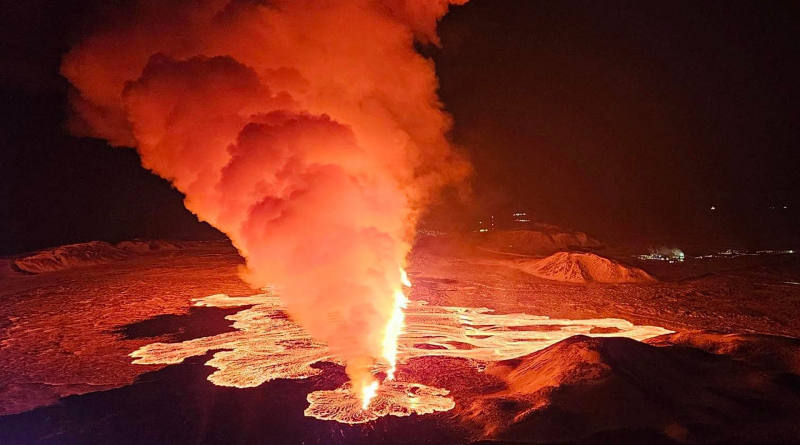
<point>369,393</point>
<point>395,327</point>
<point>267,345</point>
<point>393,398</point>
<point>392,332</point>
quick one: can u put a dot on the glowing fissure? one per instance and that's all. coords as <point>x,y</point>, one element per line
<point>267,345</point>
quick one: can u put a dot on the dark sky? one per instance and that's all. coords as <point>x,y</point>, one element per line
<point>631,119</point>
<point>627,120</point>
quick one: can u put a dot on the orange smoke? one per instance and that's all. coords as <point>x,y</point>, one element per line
<point>309,131</point>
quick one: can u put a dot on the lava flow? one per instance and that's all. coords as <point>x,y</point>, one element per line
<point>268,345</point>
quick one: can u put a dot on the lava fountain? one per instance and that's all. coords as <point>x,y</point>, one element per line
<point>267,345</point>
<point>313,145</point>
<point>392,332</point>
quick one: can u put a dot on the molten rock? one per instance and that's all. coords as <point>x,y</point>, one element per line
<point>392,398</point>
<point>268,345</point>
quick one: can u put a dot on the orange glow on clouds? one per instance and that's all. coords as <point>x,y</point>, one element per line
<point>313,146</point>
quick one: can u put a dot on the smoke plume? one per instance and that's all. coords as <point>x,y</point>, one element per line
<point>308,131</point>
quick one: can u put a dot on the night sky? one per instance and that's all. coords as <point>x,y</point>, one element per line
<point>627,120</point>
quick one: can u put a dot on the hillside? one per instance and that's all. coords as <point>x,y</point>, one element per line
<point>541,239</point>
<point>582,267</point>
<point>582,386</point>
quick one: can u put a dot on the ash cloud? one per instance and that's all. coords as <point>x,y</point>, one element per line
<point>310,132</point>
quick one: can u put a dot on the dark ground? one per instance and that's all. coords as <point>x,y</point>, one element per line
<point>177,405</point>
<point>69,333</point>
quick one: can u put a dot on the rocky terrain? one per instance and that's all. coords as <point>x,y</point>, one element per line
<point>583,386</point>
<point>537,240</point>
<point>583,267</point>
<point>89,254</point>
<point>730,373</point>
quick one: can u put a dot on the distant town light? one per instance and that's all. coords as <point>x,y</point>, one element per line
<point>713,208</point>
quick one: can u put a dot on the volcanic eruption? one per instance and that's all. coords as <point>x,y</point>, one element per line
<point>309,132</point>
<point>267,346</point>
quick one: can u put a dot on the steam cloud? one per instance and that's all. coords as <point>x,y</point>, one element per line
<point>308,131</point>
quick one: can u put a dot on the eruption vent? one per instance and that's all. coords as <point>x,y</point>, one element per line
<point>309,131</point>
<point>267,346</point>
